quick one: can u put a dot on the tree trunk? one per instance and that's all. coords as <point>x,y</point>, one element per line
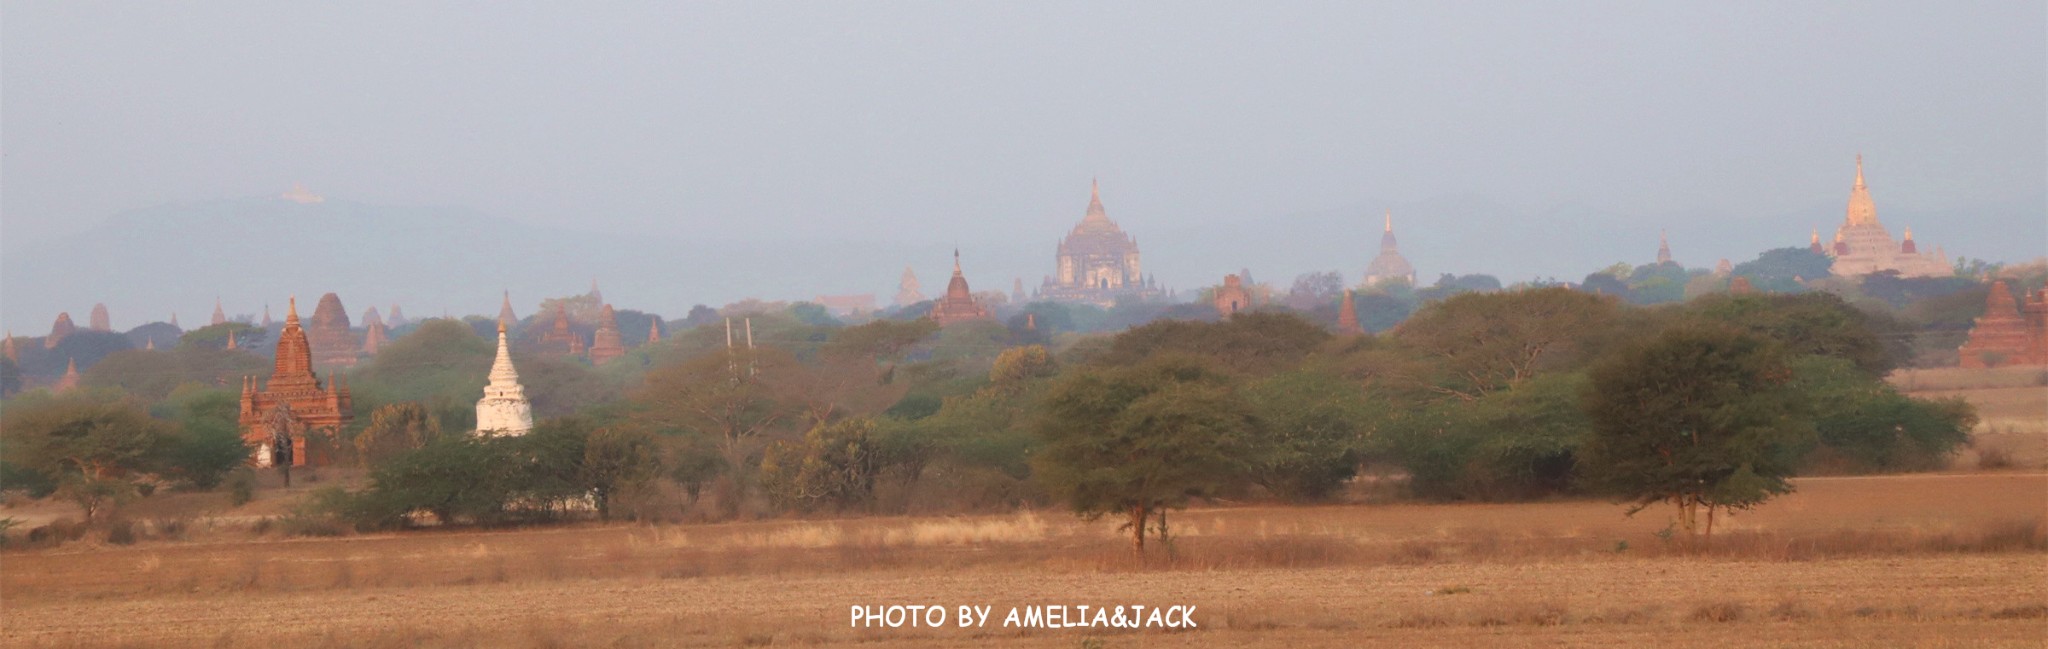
<point>1139,515</point>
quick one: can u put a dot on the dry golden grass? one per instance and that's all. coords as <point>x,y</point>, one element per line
<point>1922,560</point>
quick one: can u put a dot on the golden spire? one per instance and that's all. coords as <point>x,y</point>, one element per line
<point>1909,233</point>
<point>1390,219</point>
<point>1862,211</point>
<point>1816,236</point>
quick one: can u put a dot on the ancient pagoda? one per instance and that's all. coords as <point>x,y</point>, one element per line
<point>99,320</point>
<point>374,333</point>
<point>1863,246</point>
<point>1389,265</point>
<point>294,400</point>
<point>958,305</point>
<point>334,345</point>
<point>2007,334</point>
<point>1097,263</point>
<point>907,290</point>
<point>1231,297</point>
<point>559,339</point>
<point>607,345</point>
<point>59,329</point>
<point>504,409</point>
<point>1347,316</point>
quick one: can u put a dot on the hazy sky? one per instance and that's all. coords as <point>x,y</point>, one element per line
<point>934,123</point>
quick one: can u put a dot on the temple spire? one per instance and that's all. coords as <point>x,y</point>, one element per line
<point>1390,220</point>
<point>1095,201</point>
<point>1859,171</point>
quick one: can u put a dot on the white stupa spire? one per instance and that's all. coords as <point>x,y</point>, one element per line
<point>504,409</point>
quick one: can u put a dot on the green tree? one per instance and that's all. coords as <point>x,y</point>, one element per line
<point>1701,417</point>
<point>836,465</point>
<point>207,444</point>
<point>396,429</point>
<point>1477,343</point>
<point>1784,270</point>
<point>1019,364</point>
<point>617,459</point>
<point>1315,426</point>
<point>91,445</point>
<point>457,478</point>
<point>1868,424</point>
<point>1816,323</point>
<point>1136,441</point>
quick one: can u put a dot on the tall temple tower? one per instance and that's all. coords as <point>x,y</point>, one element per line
<point>313,414</point>
<point>1097,262</point>
<point>907,291</point>
<point>504,409</point>
<point>1863,246</point>
<point>1389,265</point>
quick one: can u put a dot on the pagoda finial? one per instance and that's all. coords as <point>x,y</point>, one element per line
<point>501,327</point>
<point>1390,219</point>
<point>956,260</point>
<point>1816,236</point>
<point>1909,233</point>
<point>1859,171</point>
<point>291,311</point>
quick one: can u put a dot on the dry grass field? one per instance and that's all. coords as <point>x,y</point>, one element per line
<point>1917,560</point>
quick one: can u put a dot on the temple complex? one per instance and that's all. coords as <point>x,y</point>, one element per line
<point>607,345</point>
<point>374,334</point>
<point>907,290</point>
<point>1389,265</point>
<point>333,344</point>
<point>99,320</point>
<point>58,330</point>
<point>2008,333</point>
<point>1097,262</point>
<point>1347,316</point>
<point>1863,246</point>
<point>1231,297</point>
<point>504,409</point>
<point>294,400</point>
<point>958,305</point>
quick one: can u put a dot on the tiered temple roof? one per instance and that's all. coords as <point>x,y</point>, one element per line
<point>1863,246</point>
<point>1097,263</point>
<point>314,413</point>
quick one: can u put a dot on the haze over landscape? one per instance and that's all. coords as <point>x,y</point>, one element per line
<point>703,154</point>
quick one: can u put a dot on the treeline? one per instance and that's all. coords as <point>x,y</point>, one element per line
<point>1478,396</point>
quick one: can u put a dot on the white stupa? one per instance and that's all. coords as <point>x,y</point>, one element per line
<point>504,409</point>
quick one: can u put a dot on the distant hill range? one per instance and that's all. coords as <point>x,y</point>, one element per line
<point>145,264</point>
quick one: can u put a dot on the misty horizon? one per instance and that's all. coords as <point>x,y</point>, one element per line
<point>1521,142</point>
